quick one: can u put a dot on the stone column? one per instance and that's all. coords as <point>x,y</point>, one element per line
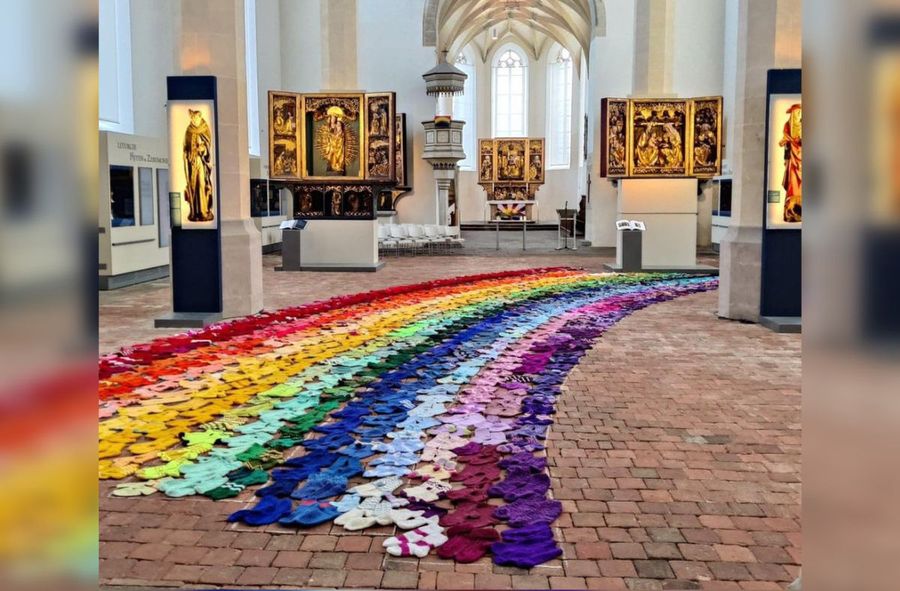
<point>444,177</point>
<point>698,31</point>
<point>339,61</point>
<point>678,53</point>
<point>653,44</point>
<point>739,261</point>
<point>209,40</point>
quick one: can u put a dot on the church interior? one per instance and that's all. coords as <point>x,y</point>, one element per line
<point>450,294</point>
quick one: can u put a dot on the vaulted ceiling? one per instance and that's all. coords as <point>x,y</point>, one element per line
<point>450,25</point>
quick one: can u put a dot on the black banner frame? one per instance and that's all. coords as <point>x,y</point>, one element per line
<point>196,254</point>
<point>781,292</point>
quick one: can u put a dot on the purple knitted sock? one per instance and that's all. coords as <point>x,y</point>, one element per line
<point>524,461</point>
<point>519,485</point>
<point>524,555</point>
<point>529,510</point>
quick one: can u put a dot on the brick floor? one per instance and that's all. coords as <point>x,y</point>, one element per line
<point>126,315</point>
<point>675,449</point>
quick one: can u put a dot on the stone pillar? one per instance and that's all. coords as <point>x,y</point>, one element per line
<point>444,178</point>
<point>678,53</point>
<point>653,44</point>
<point>339,61</point>
<point>739,261</point>
<point>698,30</point>
<point>209,40</point>
<point>698,33</point>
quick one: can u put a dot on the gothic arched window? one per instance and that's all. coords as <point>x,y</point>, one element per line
<point>559,109</point>
<point>510,98</point>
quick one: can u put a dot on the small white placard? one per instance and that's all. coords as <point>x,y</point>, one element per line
<point>292,225</point>
<point>630,225</point>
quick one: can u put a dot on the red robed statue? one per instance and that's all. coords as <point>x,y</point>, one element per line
<point>791,141</point>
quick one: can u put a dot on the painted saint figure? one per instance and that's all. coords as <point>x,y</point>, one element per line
<point>791,141</point>
<point>617,143</point>
<point>334,144</point>
<point>306,204</point>
<point>353,203</point>
<point>511,162</point>
<point>671,148</point>
<point>487,170</point>
<point>198,168</point>
<point>705,146</point>
<point>647,150</point>
<point>534,171</point>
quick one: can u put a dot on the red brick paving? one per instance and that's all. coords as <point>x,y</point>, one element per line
<point>126,315</point>
<point>675,451</point>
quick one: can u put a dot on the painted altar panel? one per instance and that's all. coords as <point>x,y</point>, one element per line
<point>284,135</point>
<point>380,136</point>
<point>536,160</point>
<point>784,158</point>
<point>511,170</point>
<point>511,159</point>
<point>706,137</point>
<point>400,150</point>
<point>486,160</point>
<point>334,146</point>
<point>511,192</point>
<point>659,137</point>
<point>614,147</point>
<point>333,201</point>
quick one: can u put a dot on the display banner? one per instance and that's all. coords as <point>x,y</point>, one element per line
<point>194,195</point>
<point>781,264</point>
<point>194,162</point>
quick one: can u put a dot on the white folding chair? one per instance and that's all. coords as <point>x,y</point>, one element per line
<point>399,234</point>
<point>453,237</point>
<point>437,237</point>
<point>385,241</point>
<point>417,235</point>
